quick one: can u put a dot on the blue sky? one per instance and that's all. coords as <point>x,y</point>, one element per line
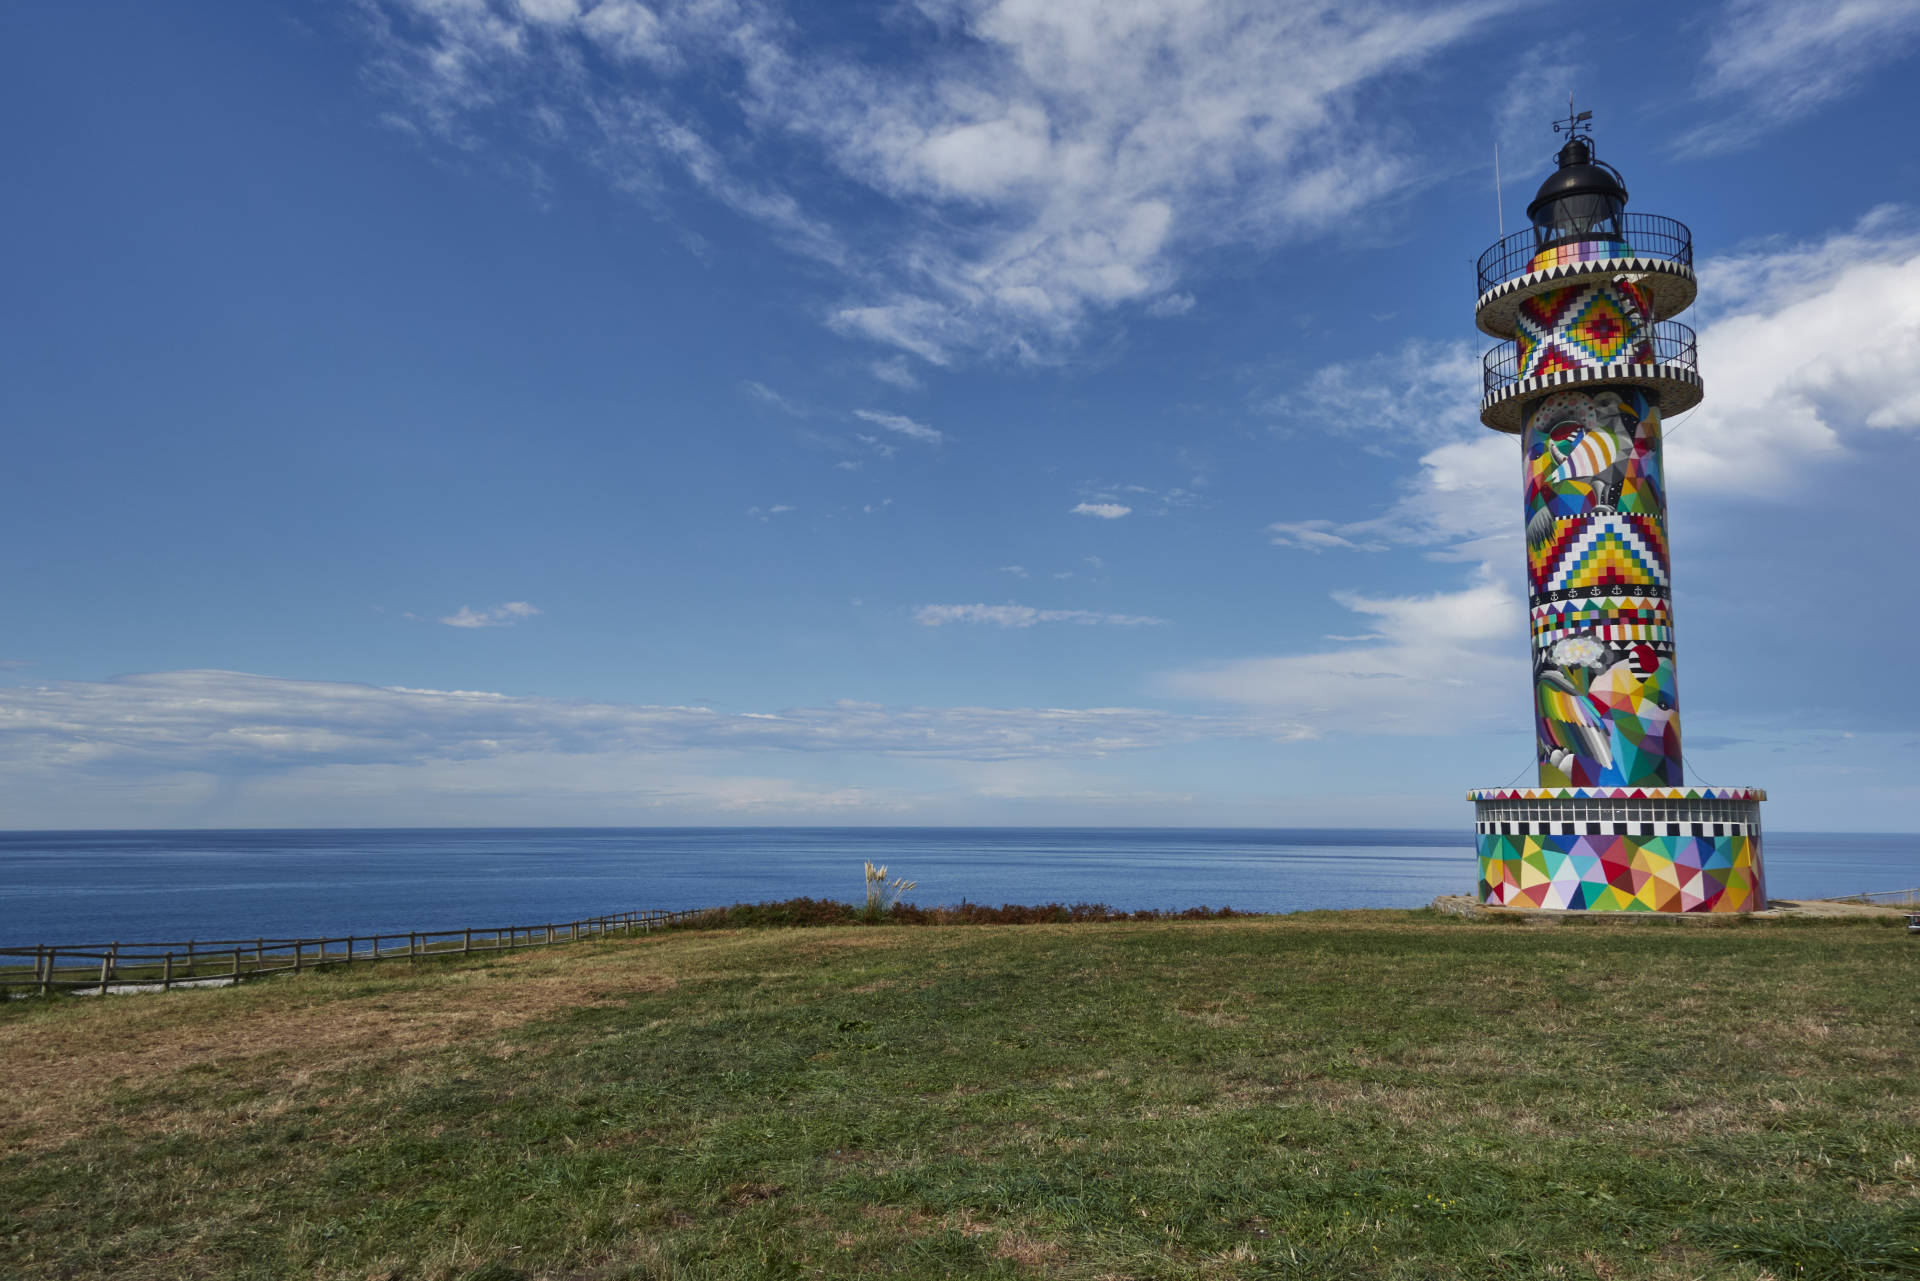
<point>966,411</point>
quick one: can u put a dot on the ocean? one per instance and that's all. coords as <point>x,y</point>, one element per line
<point>84,887</point>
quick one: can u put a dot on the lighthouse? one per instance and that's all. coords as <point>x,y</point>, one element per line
<point>1590,360</point>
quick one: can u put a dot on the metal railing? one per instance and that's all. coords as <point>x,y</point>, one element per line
<point>1892,898</point>
<point>1673,344</point>
<point>143,967</point>
<point>1647,236</point>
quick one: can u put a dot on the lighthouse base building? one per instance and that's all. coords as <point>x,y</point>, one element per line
<point>1591,361</point>
<point>1623,849</point>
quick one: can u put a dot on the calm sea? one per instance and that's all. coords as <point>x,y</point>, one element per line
<point>100,886</point>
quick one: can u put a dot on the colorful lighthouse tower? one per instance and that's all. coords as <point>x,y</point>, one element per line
<point>1591,359</point>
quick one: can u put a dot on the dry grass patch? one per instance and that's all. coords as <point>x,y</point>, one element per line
<point>278,1041</point>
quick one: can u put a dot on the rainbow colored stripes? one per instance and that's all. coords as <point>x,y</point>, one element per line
<point>1597,250</point>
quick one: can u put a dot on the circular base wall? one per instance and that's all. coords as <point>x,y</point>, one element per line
<point>1665,849</point>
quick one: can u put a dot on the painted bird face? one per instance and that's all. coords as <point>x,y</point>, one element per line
<point>1561,438</point>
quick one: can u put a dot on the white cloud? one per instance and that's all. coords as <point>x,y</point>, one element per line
<point>549,11</point>
<point>628,30</point>
<point>1436,664</point>
<point>504,615</point>
<point>901,425</point>
<point>1319,536</point>
<point>226,721</point>
<point>1171,305</point>
<point>1774,61</point>
<point>1087,148</point>
<point>895,372</point>
<point>1808,345</point>
<point>1422,393</point>
<point>765,514</point>
<point>1105,511</point>
<point>1018,571</point>
<point>1024,616</point>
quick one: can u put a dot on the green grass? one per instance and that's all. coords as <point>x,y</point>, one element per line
<point>1368,1095</point>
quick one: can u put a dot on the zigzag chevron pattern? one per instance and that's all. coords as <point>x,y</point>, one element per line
<point>1567,271</point>
<point>1678,375</point>
<point>1607,550</point>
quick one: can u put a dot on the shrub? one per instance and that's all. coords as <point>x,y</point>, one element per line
<point>810,911</point>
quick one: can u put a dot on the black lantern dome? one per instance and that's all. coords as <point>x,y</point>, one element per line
<point>1585,197</point>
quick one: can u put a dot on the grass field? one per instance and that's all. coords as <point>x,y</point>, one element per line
<point>1380,1095</point>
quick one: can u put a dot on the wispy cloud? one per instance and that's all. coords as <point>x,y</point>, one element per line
<point>503,615</point>
<point>1773,61</point>
<point>1018,571</point>
<point>895,373</point>
<point>209,720</point>
<point>1422,393</point>
<point>1426,667</point>
<point>768,396</point>
<point>1089,150</point>
<point>1025,616</point>
<point>1105,511</point>
<point>1171,305</point>
<point>1320,535</point>
<point>901,425</point>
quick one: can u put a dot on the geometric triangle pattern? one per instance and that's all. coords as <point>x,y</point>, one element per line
<point>1612,870</point>
<point>1630,617</point>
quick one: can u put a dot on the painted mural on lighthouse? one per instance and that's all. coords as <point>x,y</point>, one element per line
<point>1585,299</point>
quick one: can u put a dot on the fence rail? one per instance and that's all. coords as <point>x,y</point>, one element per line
<point>1666,342</point>
<point>138,967</point>
<point>1896,898</point>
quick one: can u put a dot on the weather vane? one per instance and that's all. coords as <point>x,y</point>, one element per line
<point>1575,122</point>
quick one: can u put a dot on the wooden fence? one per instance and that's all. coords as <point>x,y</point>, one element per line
<point>138,967</point>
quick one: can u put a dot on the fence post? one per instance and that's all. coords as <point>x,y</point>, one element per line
<point>46,984</point>
<point>114,968</point>
<point>259,953</point>
<point>104,963</point>
<point>189,956</point>
<point>236,967</point>
<point>299,954</point>
<point>166,972</point>
<point>466,946</point>
<point>349,949</point>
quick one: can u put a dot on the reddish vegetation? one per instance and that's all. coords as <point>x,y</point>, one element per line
<point>813,911</point>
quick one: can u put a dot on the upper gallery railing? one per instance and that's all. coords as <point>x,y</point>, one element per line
<point>1645,236</point>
